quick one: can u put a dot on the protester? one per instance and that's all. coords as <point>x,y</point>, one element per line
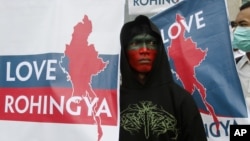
<point>241,39</point>
<point>153,107</point>
<point>237,52</point>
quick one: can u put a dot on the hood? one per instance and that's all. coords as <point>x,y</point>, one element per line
<point>160,73</point>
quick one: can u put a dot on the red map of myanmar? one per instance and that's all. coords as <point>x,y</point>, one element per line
<point>83,64</point>
<point>189,57</point>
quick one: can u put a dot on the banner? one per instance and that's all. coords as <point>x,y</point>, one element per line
<point>59,70</point>
<point>197,39</point>
<point>150,6</point>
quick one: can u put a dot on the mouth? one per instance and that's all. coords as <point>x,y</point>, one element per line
<point>144,61</point>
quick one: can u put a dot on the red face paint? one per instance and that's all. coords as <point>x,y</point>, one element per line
<point>141,52</point>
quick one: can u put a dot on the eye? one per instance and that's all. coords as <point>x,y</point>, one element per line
<point>133,43</point>
<point>152,43</point>
<point>243,24</point>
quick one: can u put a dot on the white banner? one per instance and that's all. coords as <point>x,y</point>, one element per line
<point>59,70</point>
<point>150,6</point>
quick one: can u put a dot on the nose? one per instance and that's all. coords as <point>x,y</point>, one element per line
<point>143,48</point>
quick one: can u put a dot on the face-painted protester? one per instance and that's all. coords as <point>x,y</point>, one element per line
<point>241,40</point>
<point>153,107</point>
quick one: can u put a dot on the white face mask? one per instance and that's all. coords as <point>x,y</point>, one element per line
<point>241,38</point>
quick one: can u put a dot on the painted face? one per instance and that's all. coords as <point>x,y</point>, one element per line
<point>142,50</point>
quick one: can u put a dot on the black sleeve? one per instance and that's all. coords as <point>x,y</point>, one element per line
<point>192,123</point>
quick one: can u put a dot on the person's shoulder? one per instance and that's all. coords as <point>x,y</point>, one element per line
<point>182,96</point>
<point>240,63</point>
<point>180,91</point>
<point>237,59</point>
<point>238,54</point>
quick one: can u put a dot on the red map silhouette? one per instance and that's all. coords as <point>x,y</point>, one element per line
<point>83,64</point>
<point>186,58</point>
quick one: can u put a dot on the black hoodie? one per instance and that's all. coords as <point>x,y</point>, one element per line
<point>159,109</point>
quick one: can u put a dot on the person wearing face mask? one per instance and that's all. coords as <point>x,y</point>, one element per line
<point>241,40</point>
<point>237,53</point>
<point>152,106</point>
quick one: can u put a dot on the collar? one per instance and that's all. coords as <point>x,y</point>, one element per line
<point>243,61</point>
